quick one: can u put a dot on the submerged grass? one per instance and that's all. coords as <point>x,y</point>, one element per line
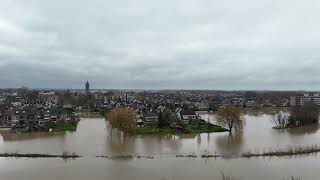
<point>289,151</point>
<point>153,130</point>
<point>203,128</point>
<point>19,155</point>
<point>190,128</point>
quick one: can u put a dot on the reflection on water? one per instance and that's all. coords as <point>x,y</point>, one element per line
<point>306,130</point>
<point>93,138</point>
<point>230,144</point>
<point>158,169</point>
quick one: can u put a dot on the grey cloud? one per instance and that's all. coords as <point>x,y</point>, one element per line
<point>180,44</point>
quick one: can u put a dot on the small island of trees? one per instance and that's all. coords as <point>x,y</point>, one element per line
<point>307,114</point>
<point>123,119</point>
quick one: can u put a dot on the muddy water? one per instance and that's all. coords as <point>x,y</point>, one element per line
<point>159,169</point>
<point>93,138</point>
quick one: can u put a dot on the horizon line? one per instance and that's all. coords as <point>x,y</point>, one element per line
<point>160,89</point>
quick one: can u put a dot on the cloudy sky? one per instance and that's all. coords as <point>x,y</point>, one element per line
<point>160,44</point>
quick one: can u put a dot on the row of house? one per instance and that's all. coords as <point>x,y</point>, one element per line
<point>35,117</point>
<point>185,116</point>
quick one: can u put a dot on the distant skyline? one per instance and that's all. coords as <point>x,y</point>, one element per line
<point>179,44</point>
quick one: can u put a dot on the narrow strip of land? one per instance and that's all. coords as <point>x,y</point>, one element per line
<point>19,155</point>
<point>290,151</point>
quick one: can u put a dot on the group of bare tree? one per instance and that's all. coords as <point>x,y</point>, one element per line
<point>299,116</point>
<point>229,117</point>
<point>123,119</point>
<point>280,121</point>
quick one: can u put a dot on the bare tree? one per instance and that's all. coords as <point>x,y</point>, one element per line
<point>230,117</point>
<point>280,121</point>
<point>122,119</point>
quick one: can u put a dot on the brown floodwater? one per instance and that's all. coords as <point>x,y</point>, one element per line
<point>93,138</point>
<point>306,168</point>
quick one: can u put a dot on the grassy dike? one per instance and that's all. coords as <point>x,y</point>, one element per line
<point>64,126</point>
<point>188,129</point>
<point>203,128</point>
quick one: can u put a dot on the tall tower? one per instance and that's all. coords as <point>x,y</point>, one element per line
<point>87,87</point>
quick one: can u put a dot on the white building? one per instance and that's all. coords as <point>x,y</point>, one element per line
<point>301,100</point>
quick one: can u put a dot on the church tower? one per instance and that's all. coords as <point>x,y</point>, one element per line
<point>87,87</point>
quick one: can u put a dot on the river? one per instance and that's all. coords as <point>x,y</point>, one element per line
<point>92,138</point>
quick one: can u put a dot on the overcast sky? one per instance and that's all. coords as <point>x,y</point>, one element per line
<point>160,44</point>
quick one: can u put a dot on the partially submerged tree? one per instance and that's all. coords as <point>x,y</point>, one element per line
<point>168,118</point>
<point>304,115</point>
<point>164,119</point>
<point>280,121</point>
<point>230,117</point>
<point>122,119</point>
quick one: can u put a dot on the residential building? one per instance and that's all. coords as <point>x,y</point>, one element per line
<point>301,100</point>
<point>151,118</point>
<point>187,116</point>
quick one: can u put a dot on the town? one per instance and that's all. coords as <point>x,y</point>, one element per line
<point>34,109</point>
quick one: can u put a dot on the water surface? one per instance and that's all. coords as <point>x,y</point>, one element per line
<point>93,138</point>
<point>159,169</point>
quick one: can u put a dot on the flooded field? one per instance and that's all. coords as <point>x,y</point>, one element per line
<point>159,169</point>
<point>93,139</point>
